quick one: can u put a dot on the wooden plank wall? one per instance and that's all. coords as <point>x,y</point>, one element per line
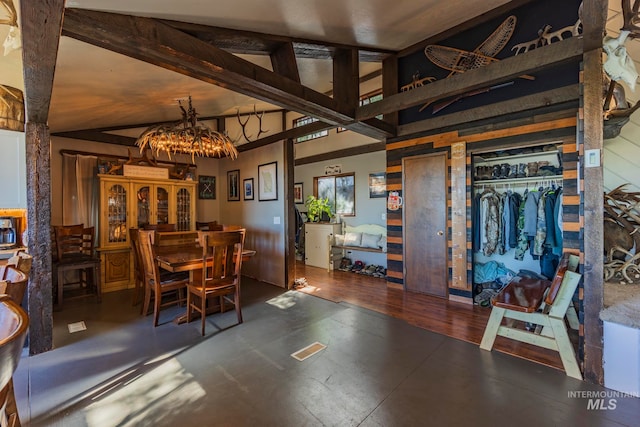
<point>536,129</point>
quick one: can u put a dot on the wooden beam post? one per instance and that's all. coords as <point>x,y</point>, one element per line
<point>41,26</point>
<point>594,18</point>
<point>40,291</point>
<point>290,217</point>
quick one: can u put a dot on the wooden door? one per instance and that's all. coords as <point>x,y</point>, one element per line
<point>425,224</point>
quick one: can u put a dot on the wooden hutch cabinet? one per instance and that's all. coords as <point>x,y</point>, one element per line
<point>127,202</point>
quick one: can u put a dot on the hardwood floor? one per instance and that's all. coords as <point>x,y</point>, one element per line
<point>454,319</point>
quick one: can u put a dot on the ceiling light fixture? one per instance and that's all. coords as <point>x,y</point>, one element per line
<point>187,137</point>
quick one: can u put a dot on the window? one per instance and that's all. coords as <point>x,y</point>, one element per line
<point>340,190</point>
<point>305,121</point>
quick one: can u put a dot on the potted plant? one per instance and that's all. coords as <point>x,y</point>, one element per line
<point>316,207</point>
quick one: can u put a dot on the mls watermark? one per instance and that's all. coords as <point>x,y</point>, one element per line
<point>603,400</point>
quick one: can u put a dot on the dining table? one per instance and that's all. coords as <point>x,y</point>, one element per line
<point>188,257</point>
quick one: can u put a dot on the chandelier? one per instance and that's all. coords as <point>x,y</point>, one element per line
<point>187,137</point>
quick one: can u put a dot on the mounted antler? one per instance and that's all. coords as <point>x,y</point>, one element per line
<point>12,19</point>
<point>631,17</point>
<point>260,131</point>
<point>243,125</point>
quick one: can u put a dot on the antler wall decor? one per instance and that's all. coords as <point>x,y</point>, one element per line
<point>244,125</point>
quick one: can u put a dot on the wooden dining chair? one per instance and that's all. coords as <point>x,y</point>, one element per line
<point>75,252</point>
<point>13,283</point>
<point>221,266</point>
<point>226,227</point>
<point>214,226</point>
<point>154,286</point>
<point>14,323</point>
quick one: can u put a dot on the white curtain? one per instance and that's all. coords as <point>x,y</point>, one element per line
<point>80,193</point>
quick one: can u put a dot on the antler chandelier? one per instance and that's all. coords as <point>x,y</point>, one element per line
<point>187,137</point>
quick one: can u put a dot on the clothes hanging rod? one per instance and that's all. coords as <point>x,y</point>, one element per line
<point>524,181</point>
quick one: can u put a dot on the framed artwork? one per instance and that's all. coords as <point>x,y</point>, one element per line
<point>206,187</point>
<point>268,181</point>
<point>233,185</point>
<point>298,195</point>
<point>248,188</point>
<point>377,185</point>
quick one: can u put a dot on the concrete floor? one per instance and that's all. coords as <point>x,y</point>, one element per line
<point>375,371</point>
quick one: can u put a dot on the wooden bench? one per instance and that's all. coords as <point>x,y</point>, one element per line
<point>337,252</point>
<point>543,303</point>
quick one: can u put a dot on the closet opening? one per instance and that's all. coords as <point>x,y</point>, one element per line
<point>516,215</point>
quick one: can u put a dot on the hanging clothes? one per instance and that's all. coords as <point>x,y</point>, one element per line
<point>490,217</point>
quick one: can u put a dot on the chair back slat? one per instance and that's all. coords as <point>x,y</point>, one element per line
<point>137,257</point>
<point>16,282</point>
<point>74,240</point>
<point>148,256</point>
<point>175,238</point>
<point>160,227</point>
<point>221,256</point>
<point>568,262</point>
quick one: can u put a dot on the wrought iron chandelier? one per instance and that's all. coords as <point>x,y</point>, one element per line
<point>187,137</point>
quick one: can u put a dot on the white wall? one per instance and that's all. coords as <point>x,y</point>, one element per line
<point>368,210</point>
<point>259,217</point>
<point>622,157</point>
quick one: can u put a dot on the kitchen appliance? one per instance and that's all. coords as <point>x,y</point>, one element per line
<point>9,232</point>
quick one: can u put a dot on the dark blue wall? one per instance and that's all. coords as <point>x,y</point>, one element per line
<point>530,18</point>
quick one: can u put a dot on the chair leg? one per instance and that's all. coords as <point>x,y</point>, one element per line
<point>491,330</point>
<point>60,288</point>
<point>237,304</point>
<point>565,348</point>
<point>96,282</point>
<point>144,309</point>
<point>157,300</point>
<point>572,317</point>
<point>188,306</point>
<point>203,308</point>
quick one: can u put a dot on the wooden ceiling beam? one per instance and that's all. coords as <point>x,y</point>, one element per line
<point>151,41</point>
<point>346,88</point>
<point>510,68</point>
<point>254,43</point>
<point>98,136</point>
<point>283,62</point>
<point>40,38</point>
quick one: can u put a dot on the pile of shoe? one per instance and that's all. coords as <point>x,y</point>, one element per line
<point>373,270</point>
<point>519,170</point>
<point>345,264</point>
<point>357,266</point>
<point>300,282</point>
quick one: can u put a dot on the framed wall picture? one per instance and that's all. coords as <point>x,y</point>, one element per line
<point>248,188</point>
<point>233,185</point>
<point>298,195</point>
<point>206,187</point>
<point>377,185</point>
<point>268,181</point>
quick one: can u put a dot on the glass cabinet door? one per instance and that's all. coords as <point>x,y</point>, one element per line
<point>183,209</point>
<point>144,206</point>
<point>162,205</point>
<point>117,213</point>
